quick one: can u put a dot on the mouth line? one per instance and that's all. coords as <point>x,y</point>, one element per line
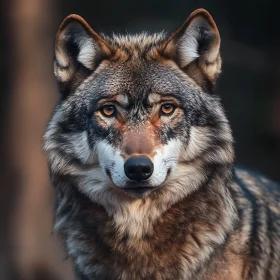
<point>139,191</point>
<point>143,188</point>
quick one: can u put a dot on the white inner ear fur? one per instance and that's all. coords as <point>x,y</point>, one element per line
<point>87,51</point>
<point>188,44</point>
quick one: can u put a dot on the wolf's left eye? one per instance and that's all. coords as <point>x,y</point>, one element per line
<point>108,110</point>
<point>167,109</point>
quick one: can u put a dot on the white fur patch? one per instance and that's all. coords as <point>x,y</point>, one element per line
<point>165,158</point>
<point>188,47</point>
<point>110,158</point>
<point>87,51</point>
<point>153,98</point>
<point>184,179</point>
<point>77,143</point>
<point>198,142</point>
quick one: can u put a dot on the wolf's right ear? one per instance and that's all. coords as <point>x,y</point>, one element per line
<point>78,50</point>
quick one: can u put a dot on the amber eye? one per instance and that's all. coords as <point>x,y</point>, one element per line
<point>108,110</point>
<point>167,109</point>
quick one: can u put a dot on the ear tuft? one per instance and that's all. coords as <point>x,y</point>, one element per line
<point>77,46</point>
<point>197,42</point>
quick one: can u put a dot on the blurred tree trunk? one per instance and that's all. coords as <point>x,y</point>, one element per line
<point>35,252</point>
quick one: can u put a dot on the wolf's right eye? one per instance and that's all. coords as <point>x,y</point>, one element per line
<point>108,110</point>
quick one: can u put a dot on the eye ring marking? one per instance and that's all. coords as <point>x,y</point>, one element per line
<point>167,109</point>
<point>108,111</point>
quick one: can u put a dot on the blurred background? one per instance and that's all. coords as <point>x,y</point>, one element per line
<point>249,87</point>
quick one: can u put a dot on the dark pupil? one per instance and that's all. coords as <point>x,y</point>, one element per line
<point>109,109</point>
<point>167,107</point>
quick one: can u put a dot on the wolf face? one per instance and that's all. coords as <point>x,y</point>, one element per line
<point>137,113</point>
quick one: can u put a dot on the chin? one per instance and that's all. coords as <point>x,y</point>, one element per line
<point>139,191</point>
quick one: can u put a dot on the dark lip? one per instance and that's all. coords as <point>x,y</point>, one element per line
<point>139,191</point>
<point>134,184</point>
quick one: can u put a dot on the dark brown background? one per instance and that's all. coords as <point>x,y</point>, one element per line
<point>249,86</point>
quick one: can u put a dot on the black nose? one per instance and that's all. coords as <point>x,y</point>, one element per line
<point>138,168</point>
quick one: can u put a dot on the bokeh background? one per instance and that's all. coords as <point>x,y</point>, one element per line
<point>249,87</point>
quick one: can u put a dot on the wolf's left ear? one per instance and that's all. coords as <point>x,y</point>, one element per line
<point>195,46</point>
<point>78,50</point>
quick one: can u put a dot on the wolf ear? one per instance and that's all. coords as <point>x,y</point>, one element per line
<point>195,46</point>
<point>78,50</point>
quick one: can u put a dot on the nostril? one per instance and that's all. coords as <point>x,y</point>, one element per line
<point>130,169</point>
<point>146,169</point>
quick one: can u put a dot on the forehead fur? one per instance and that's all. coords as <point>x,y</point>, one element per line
<point>137,77</point>
<point>142,41</point>
<point>137,69</point>
<point>135,47</point>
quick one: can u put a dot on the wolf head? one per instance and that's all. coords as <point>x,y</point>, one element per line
<point>137,115</point>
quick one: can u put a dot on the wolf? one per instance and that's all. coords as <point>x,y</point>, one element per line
<point>142,159</point>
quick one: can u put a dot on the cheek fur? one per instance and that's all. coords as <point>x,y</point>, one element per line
<point>103,121</point>
<point>173,127</point>
<point>111,160</point>
<point>165,160</point>
<point>77,144</point>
